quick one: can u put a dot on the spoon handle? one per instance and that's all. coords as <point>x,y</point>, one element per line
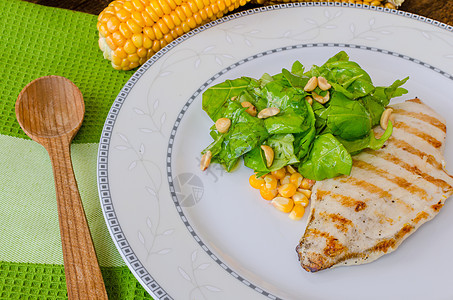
<point>83,275</point>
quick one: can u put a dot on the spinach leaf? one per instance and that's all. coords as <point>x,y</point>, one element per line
<point>255,160</point>
<point>370,141</point>
<point>345,76</point>
<point>384,94</point>
<point>291,102</point>
<point>283,147</point>
<point>245,133</point>
<point>347,119</point>
<point>214,99</point>
<point>280,95</point>
<point>298,69</point>
<point>265,79</point>
<point>303,140</point>
<point>282,144</point>
<point>327,158</point>
<point>320,116</point>
<point>340,56</point>
<point>374,108</point>
<point>295,81</point>
<point>295,118</point>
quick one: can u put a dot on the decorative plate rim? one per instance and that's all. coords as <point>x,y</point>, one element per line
<point>114,227</point>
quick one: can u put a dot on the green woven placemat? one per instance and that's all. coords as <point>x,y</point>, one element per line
<point>40,281</point>
<point>36,41</point>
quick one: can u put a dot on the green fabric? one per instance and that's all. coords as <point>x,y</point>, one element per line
<point>39,281</point>
<point>36,41</point>
<point>28,165</point>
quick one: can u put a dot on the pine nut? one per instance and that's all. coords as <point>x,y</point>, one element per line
<point>205,160</point>
<point>222,125</point>
<point>385,117</point>
<point>309,100</point>
<point>311,84</point>
<point>268,112</point>
<point>290,169</point>
<point>268,154</point>
<point>323,84</point>
<point>251,110</point>
<point>321,99</point>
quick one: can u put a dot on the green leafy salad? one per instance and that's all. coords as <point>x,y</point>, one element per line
<point>316,130</point>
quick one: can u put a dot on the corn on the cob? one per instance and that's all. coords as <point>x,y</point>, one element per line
<point>131,31</point>
<point>392,4</point>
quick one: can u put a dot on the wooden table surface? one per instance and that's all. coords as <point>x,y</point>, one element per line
<point>440,10</point>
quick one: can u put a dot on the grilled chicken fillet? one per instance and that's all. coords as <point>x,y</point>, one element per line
<point>390,192</point>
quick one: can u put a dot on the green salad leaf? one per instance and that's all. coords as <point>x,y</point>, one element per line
<point>246,132</point>
<point>317,138</point>
<point>327,158</point>
<point>346,118</point>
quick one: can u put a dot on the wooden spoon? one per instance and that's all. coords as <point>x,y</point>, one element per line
<point>50,110</point>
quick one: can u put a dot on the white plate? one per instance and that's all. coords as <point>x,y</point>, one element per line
<point>186,234</point>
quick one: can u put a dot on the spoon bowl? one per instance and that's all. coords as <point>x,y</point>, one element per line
<point>45,111</point>
<point>50,110</point>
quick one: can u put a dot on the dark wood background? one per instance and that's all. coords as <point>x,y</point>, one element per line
<point>440,10</point>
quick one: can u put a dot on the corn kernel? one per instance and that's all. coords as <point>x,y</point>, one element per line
<point>256,182</point>
<point>129,47</point>
<point>116,59</point>
<point>268,194</point>
<point>147,18</point>
<point>270,182</point>
<point>128,6</point>
<point>285,180</point>
<point>152,13</point>
<point>287,190</point>
<point>165,7</point>
<point>296,179</point>
<point>137,17</point>
<point>137,5</point>
<point>169,21</point>
<point>297,212</point>
<point>191,22</point>
<point>123,15</point>
<point>301,199</point>
<point>163,26</point>
<point>125,30</point>
<point>307,183</point>
<point>118,39</point>
<point>141,52</point>
<point>307,192</point>
<point>157,32</point>
<point>283,204</point>
<point>110,42</point>
<point>147,42</point>
<point>113,24</point>
<point>279,174</point>
<point>137,39</point>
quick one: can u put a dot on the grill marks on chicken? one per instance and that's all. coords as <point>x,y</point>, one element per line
<point>391,192</point>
